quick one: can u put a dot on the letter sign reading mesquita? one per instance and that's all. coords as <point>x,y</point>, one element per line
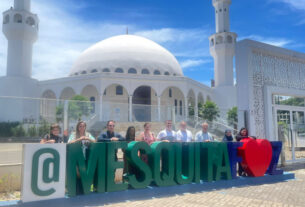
<point>165,164</point>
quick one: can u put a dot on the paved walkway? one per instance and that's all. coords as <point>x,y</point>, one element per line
<point>290,193</point>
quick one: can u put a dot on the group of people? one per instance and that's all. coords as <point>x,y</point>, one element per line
<point>166,135</point>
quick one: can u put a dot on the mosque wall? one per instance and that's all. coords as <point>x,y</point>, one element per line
<point>103,87</point>
<point>263,70</point>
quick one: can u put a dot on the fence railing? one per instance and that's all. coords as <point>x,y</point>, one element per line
<point>30,118</point>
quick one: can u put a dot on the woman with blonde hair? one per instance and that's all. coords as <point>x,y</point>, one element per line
<point>82,136</point>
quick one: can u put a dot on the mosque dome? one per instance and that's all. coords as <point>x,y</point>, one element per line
<point>127,54</point>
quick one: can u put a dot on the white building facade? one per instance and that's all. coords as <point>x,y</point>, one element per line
<point>126,77</point>
<point>130,78</point>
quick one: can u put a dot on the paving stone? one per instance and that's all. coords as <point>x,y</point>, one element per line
<point>290,193</point>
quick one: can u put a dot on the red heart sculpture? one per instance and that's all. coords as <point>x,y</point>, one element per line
<point>256,155</point>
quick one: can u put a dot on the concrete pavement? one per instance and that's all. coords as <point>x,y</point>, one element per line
<point>289,193</point>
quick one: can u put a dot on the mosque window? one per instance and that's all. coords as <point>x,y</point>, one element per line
<point>225,9</point>
<point>105,92</point>
<point>166,73</point>
<point>176,106</point>
<point>75,73</point>
<point>145,71</point>
<point>288,100</point>
<point>84,72</point>
<point>106,70</point>
<point>170,93</point>
<point>212,42</point>
<point>157,72</point>
<point>119,90</point>
<point>219,40</point>
<point>92,100</point>
<point>30,21</point>
<point>180,103</point>
<point>18,18</point>
<point>119,70</point>
<point>229,39</point>
<point>174,74</point>
<point>220,10</point>
<point>6,19</point>
<point>132,70</point>
<point>94,71</point>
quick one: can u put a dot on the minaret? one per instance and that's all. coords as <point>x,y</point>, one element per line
<point>20,27</point>
<point>222,45</point>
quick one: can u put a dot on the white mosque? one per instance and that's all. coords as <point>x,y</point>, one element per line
<point>131,78</point>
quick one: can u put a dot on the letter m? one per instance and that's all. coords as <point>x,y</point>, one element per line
<point>83,171</point>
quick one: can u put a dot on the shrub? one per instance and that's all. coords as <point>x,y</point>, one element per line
<point>44,128</point>
<point>18,131</point>
<point>32,131</point>
<point>209,111</point>
<point>6,128</point>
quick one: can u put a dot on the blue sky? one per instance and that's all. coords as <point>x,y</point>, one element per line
<point>67,27</point>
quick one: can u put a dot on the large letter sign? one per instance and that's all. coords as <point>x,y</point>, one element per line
<point>160,164</point>
<point>141,176</point>
<point>43,172</point>
<point>81,171</point>
<point>256,156</point>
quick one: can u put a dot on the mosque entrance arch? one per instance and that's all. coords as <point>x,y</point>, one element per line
<point>173,102</point>
<point>191,100</point>
<point>115,103</point>
<point>142,100</point>
<point>48,106</point>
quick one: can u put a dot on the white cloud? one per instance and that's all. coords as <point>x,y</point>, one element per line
<point>279,42</point>
<point>174,35</point>
<point>193,63</point>
<point>63,36</point>
<point>181,42</point>
<point>295,4</point>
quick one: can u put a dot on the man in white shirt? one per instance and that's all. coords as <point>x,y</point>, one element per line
<point>184,135</point>
<point>204,135</point>
<point>167,135</point>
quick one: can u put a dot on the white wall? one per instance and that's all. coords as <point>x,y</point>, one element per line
<point>260,67</point>
<point>14,107</point>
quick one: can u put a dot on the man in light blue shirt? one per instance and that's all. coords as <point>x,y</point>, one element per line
<point>167,135</point>
<point>184,135</point>
<point>204,135</point>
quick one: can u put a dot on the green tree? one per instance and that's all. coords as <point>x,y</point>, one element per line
<point>208,111</point>
<point>59,113</point>
<point>232,117</point>
<point>44,128</point>
<point>18,131</point>
<point>32,131</point>
<point>78,106</point>
<point>191,110</point>
<point>291,101</point>
<point>6,128</point>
